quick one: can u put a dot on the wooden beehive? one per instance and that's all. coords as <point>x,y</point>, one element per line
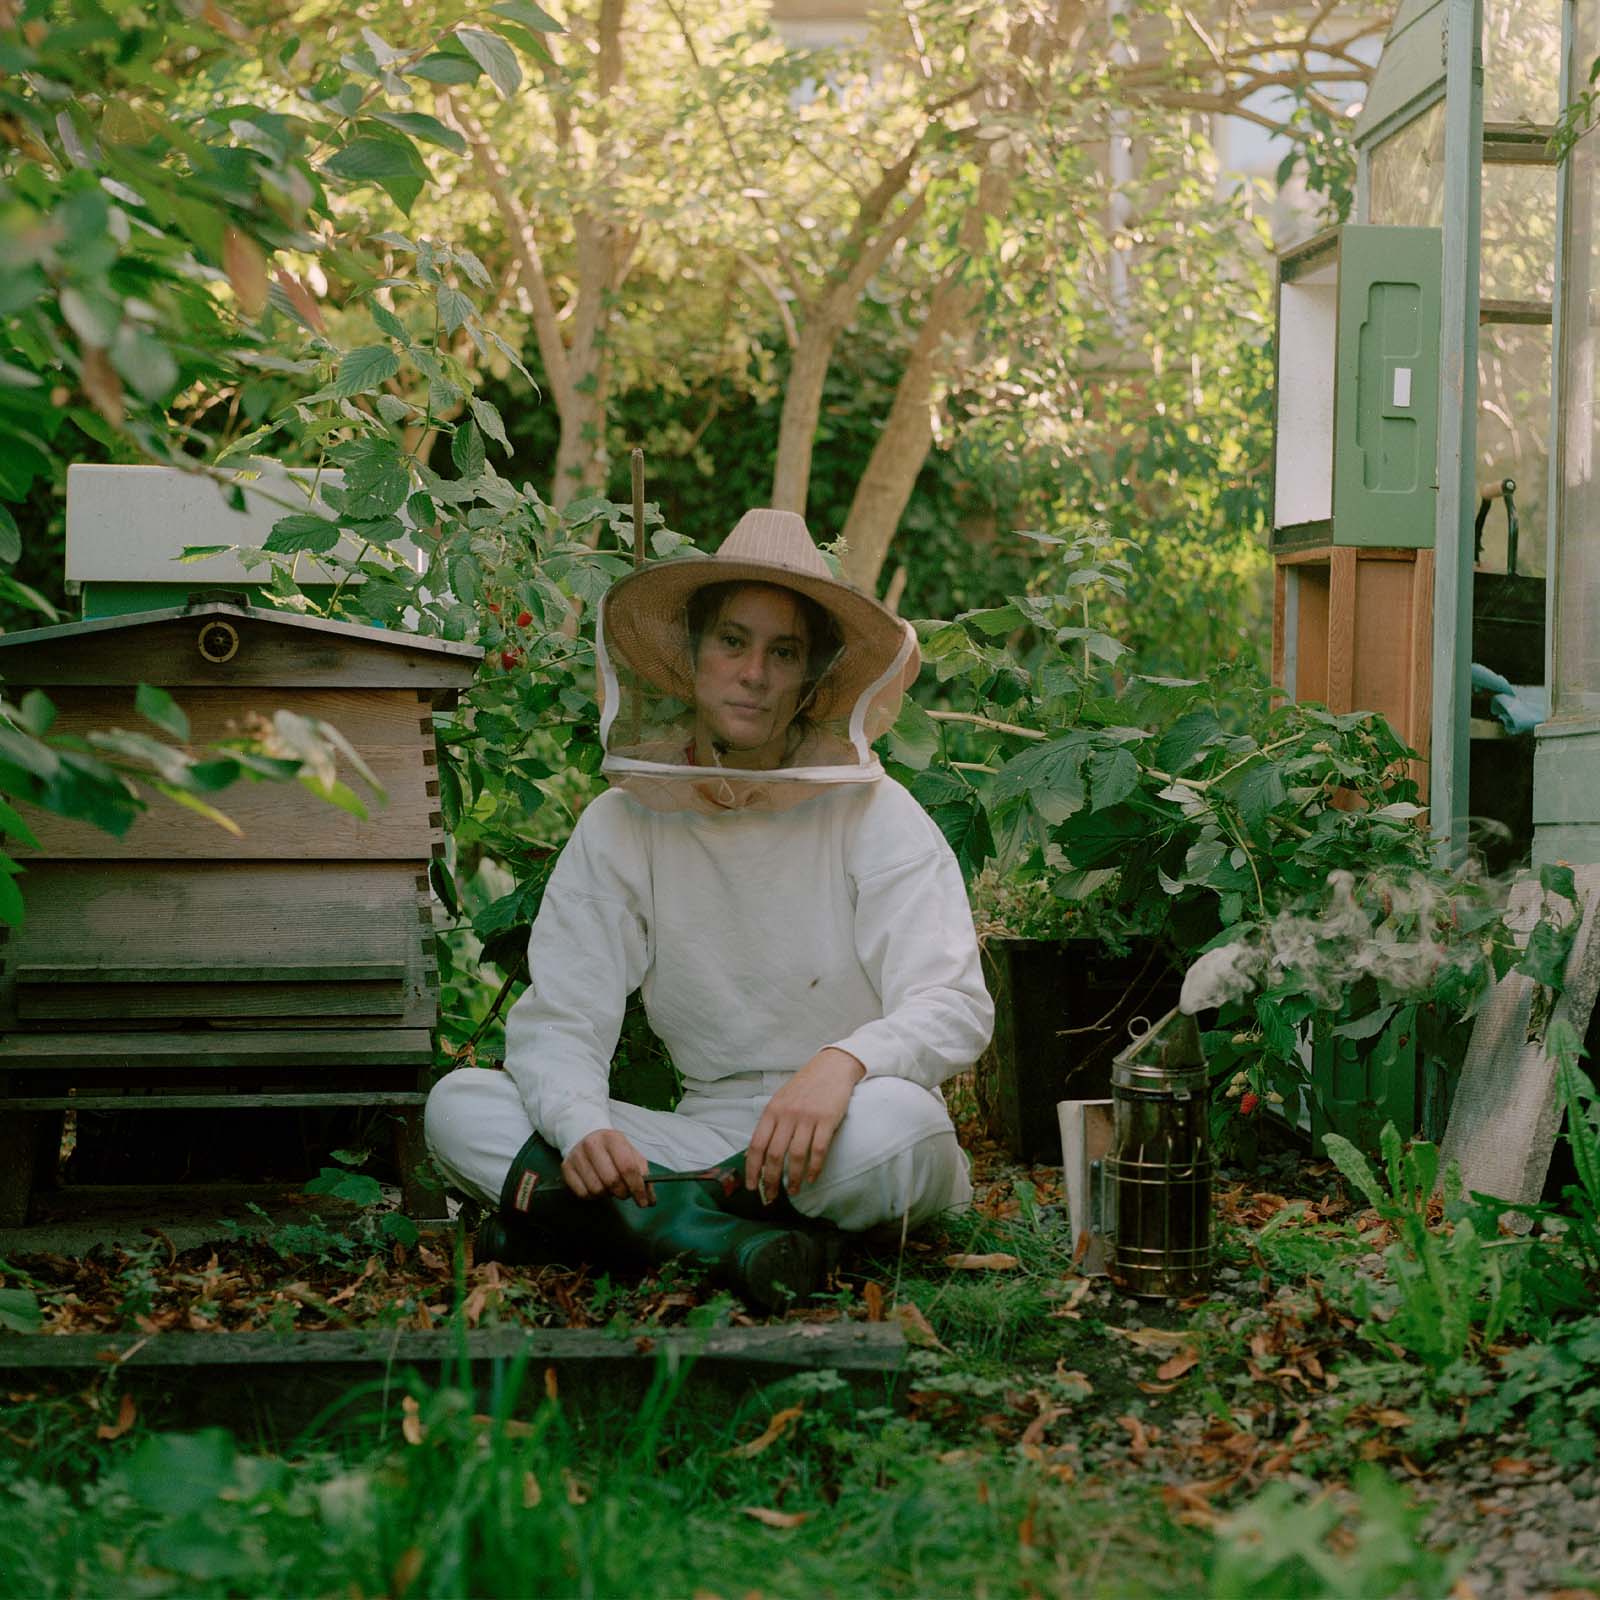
<point>182,966</point>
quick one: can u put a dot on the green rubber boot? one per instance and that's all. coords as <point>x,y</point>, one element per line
<point>540,1218</point>
<point>767,1260</point>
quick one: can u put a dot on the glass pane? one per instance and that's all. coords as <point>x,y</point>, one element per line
<point>1407,174</point>
<point>1521,60</point>
<point>1519,233</point>
<point>1577,652</point>
<point>1514,440</point>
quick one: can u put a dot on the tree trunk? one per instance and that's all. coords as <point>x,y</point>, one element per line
<point>802,406</point>
<point>903,443</point>
<point>907,434</point>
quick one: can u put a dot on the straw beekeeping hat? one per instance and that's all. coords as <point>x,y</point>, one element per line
<point>645,614</point>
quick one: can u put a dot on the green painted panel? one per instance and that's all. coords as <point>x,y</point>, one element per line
<point>1386,387</point>
<point>1411,65</point>
<point>1566,794</point>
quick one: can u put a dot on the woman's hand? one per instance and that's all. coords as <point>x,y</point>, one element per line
<point>605,1162</point>
<point>792,1138</point>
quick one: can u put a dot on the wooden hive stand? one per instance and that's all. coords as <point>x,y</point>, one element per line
<point>184,967</point>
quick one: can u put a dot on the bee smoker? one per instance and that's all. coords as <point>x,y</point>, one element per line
<point>1155,1188</point>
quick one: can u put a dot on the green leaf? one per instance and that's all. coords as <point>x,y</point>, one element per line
<point>421,126</point>
<point>10,537</point>
<point>966,829</point>
<point>389,323</point>
<point>998,621</point>
<point>19,1311</point>
<point>1113,776</point>
<point>364,370</point>
<point>11,823</point>
<point>1258,790</point>
<point>495,56</point>
<point>1365,1027</point>
<point>1104,838</point>
<point>914,738</point>
<point>1353,1165</point>
<point>450,69</point>
<point>467,451</point>
<point>302,530</point>
<point>1185,739</point>
<point>1545,959</point>
<point>144,362</point>
<point>202,552</point>
<point>337,794</point>
<point>528,14</point>
<point>393,163</point>
<point>11,908</point>
<point>936,787</point>
<point>157,706</point>
<point>454,308</point>
<point>1553,878</point>
<point>489,420</point>
<point>23,751</point>
<point>175,1473</point>
<point>1049,775</point>
<point>341,1185</point>
<point>37,713</point>
<point>183,795</point>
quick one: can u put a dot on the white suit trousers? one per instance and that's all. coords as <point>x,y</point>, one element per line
<point>894,1158</point>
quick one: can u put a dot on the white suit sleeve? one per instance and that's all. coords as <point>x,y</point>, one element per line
<point>914,936</point>
<point>588,951</point>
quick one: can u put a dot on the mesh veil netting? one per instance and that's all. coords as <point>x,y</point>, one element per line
<point>647,724</point>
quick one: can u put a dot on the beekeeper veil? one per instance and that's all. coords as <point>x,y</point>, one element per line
<point>677,728</point>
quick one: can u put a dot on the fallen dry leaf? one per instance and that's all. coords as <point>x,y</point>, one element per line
<point>532,1494</point>
<point>1074,1298</point>
<point>552,1388</point>
<point>872,1294</point>
<point>775,1519</point>
<point>916,1327</point>
<point>1155,1388</point>
<point>1388,1417</point>
<point>781,1423</point>
<point>473,1307</point>
<point>1179,1364</point>
<point>1158,1340</point>
<point>1139,1437</point>
<point>406,1569</point>
<point>511,1427</point>
<point>1511,1467</point>
<point>127,1412</point>
<point>996,1261</point>
<point>246,266</point>
<point>577,1489</point>
<point>411,1424</point>
<point>1034,1433</point>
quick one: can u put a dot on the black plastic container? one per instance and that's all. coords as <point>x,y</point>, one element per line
<point>1062,1009</point>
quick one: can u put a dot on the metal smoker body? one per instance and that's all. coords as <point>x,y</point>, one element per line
<point>1157,1175</point>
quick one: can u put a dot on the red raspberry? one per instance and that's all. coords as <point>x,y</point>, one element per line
<point>510,658</point>
<point>524,618</point>
<point>1248,1102</point>
<point>494,608</point>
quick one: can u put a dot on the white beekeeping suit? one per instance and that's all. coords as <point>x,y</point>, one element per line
<point>766,913</point>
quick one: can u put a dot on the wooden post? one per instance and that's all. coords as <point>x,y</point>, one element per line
<point>638,508</point>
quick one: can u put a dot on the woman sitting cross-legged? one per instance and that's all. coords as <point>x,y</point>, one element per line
<point>794,921</point>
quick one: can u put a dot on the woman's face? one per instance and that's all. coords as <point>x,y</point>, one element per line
<point>749,676</point>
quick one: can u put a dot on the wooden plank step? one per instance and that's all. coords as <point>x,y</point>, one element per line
<point>266,1047</point>
<point>283,1383</point>
<point>210,1102</point>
